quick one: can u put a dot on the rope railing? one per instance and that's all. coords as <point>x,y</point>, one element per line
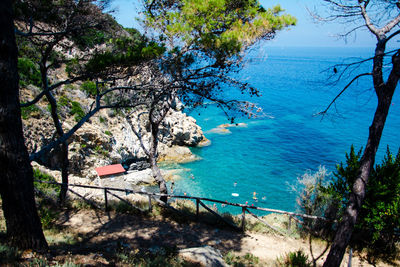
<point>198,201</point>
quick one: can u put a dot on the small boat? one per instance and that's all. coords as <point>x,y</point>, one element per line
<point>235,194</point>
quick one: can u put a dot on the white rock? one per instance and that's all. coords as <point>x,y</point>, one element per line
<point>204,256</point>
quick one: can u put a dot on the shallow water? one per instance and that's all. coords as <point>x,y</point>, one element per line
<point>271,152</point>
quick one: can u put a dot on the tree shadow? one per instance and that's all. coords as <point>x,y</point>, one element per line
<point>98,233</point>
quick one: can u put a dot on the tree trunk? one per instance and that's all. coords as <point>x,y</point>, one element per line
<point>16,178</point>
<point>57,124</point>
<point>345,230</point>
<point>385,93</point>
<point>64,173</point>
<point>153,161</point>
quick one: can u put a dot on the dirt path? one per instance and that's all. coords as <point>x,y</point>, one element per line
<point>101,232</point>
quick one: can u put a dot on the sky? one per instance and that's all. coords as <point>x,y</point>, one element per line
<point>305,34</point>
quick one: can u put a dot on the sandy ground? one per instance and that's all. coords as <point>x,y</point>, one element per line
<point>101,231</point>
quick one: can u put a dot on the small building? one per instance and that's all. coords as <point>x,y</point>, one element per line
<point>109,173</point>
<point>108,170</point>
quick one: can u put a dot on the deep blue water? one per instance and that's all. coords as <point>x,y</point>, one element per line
<point>271,152</point>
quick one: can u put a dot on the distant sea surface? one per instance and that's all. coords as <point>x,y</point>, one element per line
<point>271,152</point>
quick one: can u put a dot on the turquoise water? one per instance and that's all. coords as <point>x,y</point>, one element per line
<point>271,152</point>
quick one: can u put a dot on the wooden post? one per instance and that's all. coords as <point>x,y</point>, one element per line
<point>105,200</point>
<point>290,225</point>
<point>350,257</point>
<point>197,208</point>
<point>150,207</point>
<point>243,218</point>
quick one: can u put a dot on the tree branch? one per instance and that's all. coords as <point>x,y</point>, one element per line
<point>368,21</point>
<point>46,149</point>
<point>341,92</point>
<point>394,75</point>
<point>392,35</point>
<point>388,27</point>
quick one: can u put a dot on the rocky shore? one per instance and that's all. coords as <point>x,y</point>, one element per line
<point>109,138</point>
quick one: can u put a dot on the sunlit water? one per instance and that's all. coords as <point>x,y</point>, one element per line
<point>270,153</point>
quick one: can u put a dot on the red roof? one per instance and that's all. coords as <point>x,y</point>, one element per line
<point>110,169</point>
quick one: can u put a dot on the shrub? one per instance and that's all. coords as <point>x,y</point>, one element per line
<point>76,109</point>
<point>72,66</point>
<point>47,212</point>
<point>294,259</point>
<point>313,199</point>
<point>48,215</point>
<point>28,72</point>
<point>108,133</point>
<point>31,111</point>
<point>160,256</point>
<point>379,218</point>
<point>44,187</point>
<point>64,101</point>
<point>239,261</point>
<point>91,38</point>
<point>89,87</point>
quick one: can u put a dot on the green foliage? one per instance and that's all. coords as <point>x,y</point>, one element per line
<point>76,109</point>
<point>47,212</point>
<point>48,215</point>
<point>379,218</point>
<point>101,119</point>
<point>241,261</point>
<point>108,133</point>
<point>49,107</point>
<point>72,66</point>
<point>165,256</point>
<point>44,187</point>
<point>380,214</point>
<point>294,259</point>
<point>26,49</point>
<point>91,38</point>
<point>9,255</point>
<point>99,150</point>
<point>126,52</point>
<point>123,207</point>
<point>216,26</point>
<point>89,87</point>
<point>64,101</point>
<point>28,72</point>
<point>31,111</point>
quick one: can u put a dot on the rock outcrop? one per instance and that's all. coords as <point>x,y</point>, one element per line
<point>203,256</point>
<point>110,138</point>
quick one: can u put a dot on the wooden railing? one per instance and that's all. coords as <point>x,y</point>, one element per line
<point>199,202</point>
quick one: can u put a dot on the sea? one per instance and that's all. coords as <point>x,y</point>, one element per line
<point>259,161</point>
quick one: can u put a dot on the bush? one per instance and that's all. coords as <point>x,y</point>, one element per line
<point>313,199</point>
<point>64,101</point>
<point>378,222</point>
<point>160,256</point>
<point>89,87</point>
<point>76,109</point>
<point>91,38</point>
<point>28,72</point>
<point>44,187</point>
<point>239,261</point>
<point>47,212</point>
<point>294,259</point>
<point>30,112</point>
